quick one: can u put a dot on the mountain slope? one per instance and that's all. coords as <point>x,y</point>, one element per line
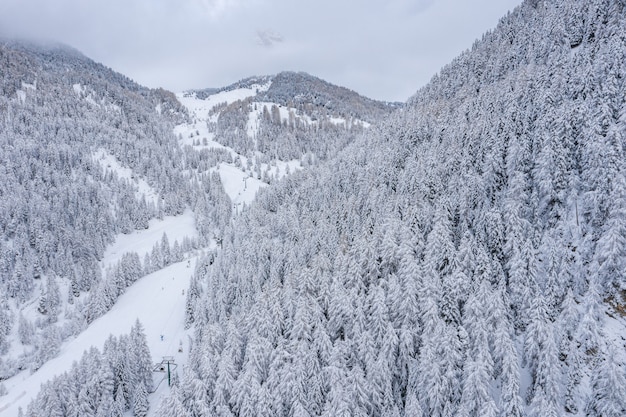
<point>301,90</point>
<point>91,162</point>
<point>466,258</point>
<point>156,300</point>
<point>86,154</point>
<point>288,116</point>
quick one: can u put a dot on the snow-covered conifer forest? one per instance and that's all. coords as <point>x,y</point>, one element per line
<point>291,248</point>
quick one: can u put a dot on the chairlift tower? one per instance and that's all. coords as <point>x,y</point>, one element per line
<point>167,365</point>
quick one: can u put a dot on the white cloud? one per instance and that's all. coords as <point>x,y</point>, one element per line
<point>410,6</point>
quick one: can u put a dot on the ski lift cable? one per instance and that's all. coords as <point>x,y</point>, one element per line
<point>174,307</point>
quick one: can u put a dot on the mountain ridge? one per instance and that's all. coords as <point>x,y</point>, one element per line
<point>288,115</point>
<point>290,87</point>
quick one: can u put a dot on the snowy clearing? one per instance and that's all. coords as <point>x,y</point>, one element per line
<point>240,187</point>
<point>21,96</point>
<point>196,105</point>
<point>78,89</point>
<point>110,163</point>
<point>142,241</point>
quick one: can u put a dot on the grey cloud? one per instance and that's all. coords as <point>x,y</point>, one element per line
<point>384,50</point>
<point>411,6</point>
<point>268,37</point>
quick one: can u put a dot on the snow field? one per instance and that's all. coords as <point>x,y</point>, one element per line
<point>199,109</point>
<point>142,241</point>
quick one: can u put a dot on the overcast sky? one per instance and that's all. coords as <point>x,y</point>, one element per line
<point>383,49</point>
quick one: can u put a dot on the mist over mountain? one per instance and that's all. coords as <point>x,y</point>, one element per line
<point>461,254</point>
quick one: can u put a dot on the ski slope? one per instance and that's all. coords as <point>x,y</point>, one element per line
<point>142,241</point>
<point>157,300</point>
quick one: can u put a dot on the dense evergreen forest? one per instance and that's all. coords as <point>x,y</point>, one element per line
<point>63,120</point>
<point>106,383</point>
<point>462,254</point>
<point>59,207</point>
<point>463,258</point>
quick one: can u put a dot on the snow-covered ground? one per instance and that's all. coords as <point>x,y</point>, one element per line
<point>615,328</point>
<point>199,111</point>
<point>110,163</point>
<point>242,188</point>
<point>157,300</point>
<point>142,241</point>
<point>200,108</point>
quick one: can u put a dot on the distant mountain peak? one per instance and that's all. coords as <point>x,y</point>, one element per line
<point>296,88</point>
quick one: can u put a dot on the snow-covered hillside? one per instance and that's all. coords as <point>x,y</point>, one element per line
<point>240,180</point>
<point>83,147</point>
<point>284,117</point>
<point>64,316</point>
<point>465,258</point>
<point>268,139</point>
<point>157,300</point>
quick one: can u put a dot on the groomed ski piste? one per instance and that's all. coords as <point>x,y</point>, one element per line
<point>157,300</point>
